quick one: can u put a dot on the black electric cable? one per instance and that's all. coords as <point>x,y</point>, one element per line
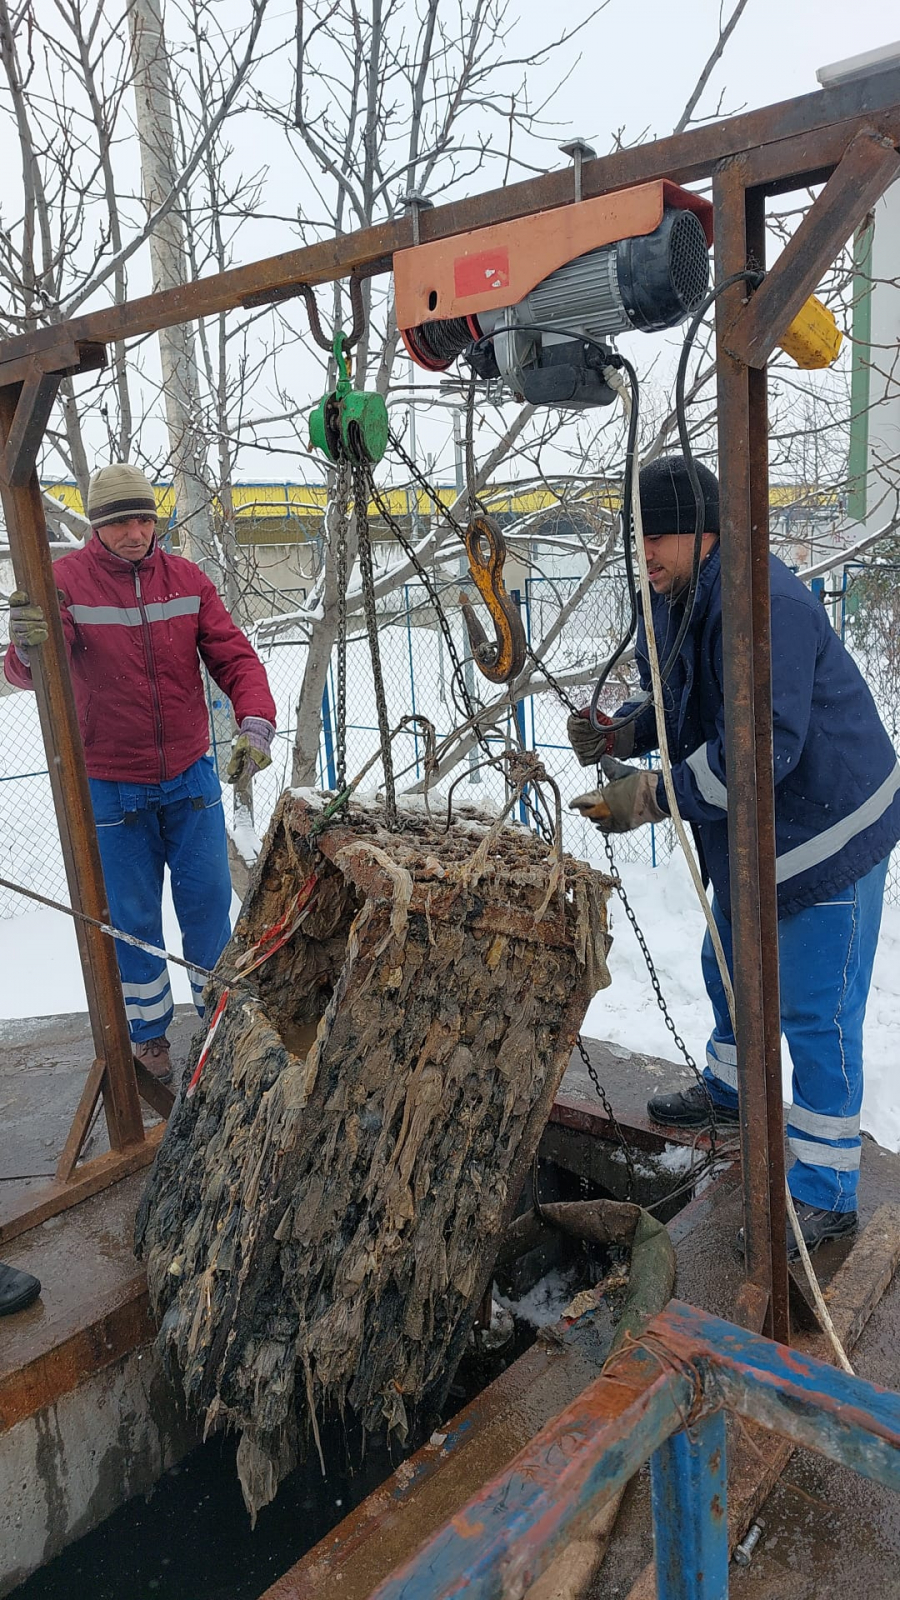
<point>626,525</point>
<point>746,276</point>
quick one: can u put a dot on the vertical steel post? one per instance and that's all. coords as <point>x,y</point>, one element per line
<point>30,551</point>
<point>743,474</point>
<point>688,1490</point>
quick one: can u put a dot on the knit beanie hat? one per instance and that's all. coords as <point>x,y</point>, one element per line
<point>667,498</point>
<point>117,492</point>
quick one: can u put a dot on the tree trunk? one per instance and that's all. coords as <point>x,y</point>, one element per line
<point>168,255</point>
<point>322,1220</point>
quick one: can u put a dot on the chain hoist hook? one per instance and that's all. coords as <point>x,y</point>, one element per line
<point>504,659</point>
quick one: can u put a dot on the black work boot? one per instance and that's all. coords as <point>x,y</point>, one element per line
<point>816,1226</point>
<point>690,1108</point>
<point>17,1289</point>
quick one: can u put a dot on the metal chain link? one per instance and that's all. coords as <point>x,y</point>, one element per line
<point>610,1116</point>
<point>342,513</point>
<point>362,483</point>
<point>657,989</point>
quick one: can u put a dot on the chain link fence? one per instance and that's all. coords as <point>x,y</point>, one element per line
<point>30,851</point>
<point>419,678</point>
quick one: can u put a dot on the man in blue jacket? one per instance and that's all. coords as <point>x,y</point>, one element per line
<point>837,818</point>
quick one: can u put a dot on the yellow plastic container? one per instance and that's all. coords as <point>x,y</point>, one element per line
<point>813,338</point>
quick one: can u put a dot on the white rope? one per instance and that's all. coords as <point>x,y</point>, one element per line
<point>616,381</point>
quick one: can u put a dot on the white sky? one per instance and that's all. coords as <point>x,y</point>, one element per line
<point>646,54</point>
<point>631,69</point>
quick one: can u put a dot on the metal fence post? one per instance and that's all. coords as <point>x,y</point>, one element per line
<point>328,738</point>
<point>688,1479</point>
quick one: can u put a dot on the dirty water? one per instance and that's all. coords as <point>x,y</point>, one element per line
<point>191,1538</point>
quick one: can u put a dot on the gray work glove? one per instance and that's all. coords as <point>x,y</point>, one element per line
<point>590,743</point>
<point>27,627</point>
<point>624,804</point>
<point>250,749</point>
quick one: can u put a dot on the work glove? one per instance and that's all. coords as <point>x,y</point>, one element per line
<point>590,743</point>
<point>250,750</point>
<point>624,804</point>
<point>27,627</point>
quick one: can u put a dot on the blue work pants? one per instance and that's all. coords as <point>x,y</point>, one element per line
<point>825,963</point>
<point>143,828</point>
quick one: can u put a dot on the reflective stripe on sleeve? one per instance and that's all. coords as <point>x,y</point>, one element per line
<point>711,788</point>
<point>833,839</point>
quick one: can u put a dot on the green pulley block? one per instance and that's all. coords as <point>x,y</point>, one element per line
<point>348,423</point>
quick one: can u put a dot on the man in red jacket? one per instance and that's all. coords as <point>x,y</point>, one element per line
<point>137,624</point>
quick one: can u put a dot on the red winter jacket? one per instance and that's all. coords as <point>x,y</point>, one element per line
<point>136,633</point>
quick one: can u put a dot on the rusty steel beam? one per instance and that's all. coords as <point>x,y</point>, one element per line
<point>743,456</point>
<point>685,158</point>
<point>758,441</point>
<point>30,552</point>
<point>500,1543</point>
<point>510,1530</point>
<point>806,160</point>
<point>37,397</point>
<point>869,164</point>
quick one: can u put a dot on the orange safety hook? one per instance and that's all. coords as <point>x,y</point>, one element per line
<point>504,659</point>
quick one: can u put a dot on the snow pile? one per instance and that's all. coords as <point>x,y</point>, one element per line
<point>40,973</point>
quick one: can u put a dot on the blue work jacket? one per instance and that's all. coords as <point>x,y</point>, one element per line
<point>837,778</point>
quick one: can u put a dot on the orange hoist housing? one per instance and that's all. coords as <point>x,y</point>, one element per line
<point>492,268</point>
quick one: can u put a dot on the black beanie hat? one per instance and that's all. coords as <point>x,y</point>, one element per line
<point>668,504</point>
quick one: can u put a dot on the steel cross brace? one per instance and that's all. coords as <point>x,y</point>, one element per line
<point>664,1398</point>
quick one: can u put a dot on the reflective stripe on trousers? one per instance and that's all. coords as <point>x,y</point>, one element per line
<point>826,954</point>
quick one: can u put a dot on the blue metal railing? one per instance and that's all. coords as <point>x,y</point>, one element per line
<point>663,1399</point>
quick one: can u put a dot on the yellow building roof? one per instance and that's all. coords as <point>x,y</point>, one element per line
<point>299,500</point>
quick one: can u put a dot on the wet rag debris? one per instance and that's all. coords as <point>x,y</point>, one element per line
<point>324,1213</point>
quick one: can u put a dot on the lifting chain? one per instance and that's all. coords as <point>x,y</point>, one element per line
<point>567,701</point>
<point>362,483</point>
<point>341,516</point>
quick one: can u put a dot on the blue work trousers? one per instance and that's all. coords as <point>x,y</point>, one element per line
<point>143,828</point>
<point>825,958</point>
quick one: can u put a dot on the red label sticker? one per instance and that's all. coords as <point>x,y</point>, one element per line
<point>476,274</point>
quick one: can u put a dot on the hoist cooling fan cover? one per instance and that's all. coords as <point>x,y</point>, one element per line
<point>522,298</point>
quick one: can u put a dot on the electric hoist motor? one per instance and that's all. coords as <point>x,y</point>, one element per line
<point>534,301</point>
<point>522,300</point>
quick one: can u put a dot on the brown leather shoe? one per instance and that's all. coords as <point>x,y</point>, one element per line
<point>154,1053</point>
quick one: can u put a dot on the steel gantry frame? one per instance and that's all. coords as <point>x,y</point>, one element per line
<point>845,138</point>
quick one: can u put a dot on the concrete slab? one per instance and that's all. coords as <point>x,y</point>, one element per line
<point>43,1065</point>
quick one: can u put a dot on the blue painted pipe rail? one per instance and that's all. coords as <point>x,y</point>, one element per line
<point>664,1399</point>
